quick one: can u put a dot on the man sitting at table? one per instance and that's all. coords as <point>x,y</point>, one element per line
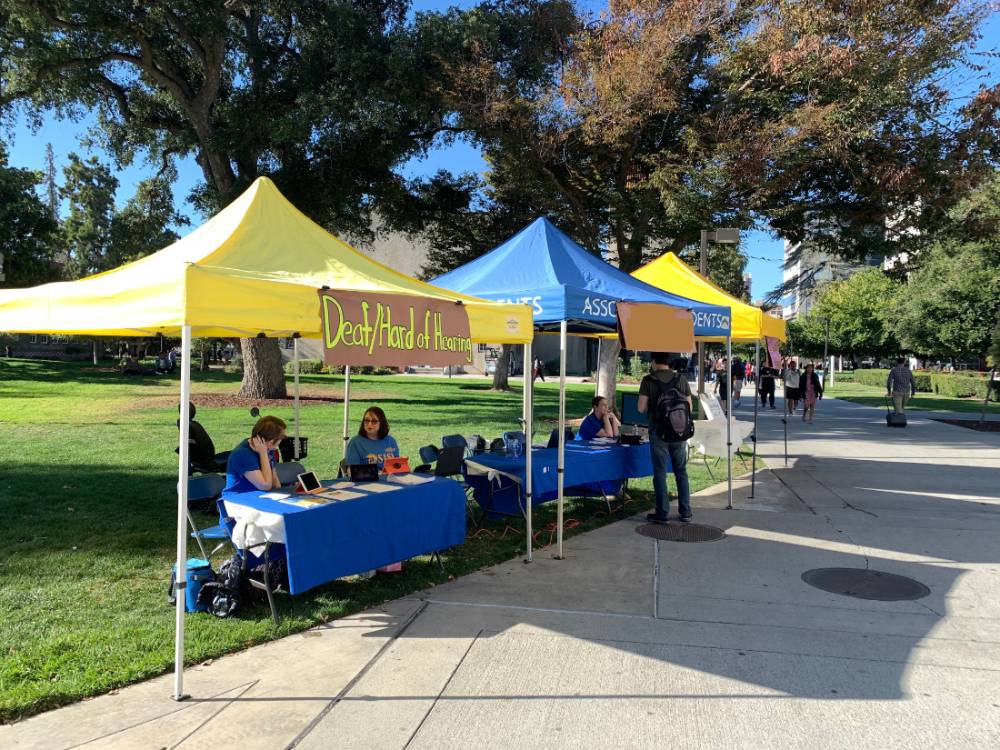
<point>372,444</point>
<point>251,464</point>
<point>600,422</point>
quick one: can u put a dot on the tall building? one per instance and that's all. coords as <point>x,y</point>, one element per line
<point>807,269</point>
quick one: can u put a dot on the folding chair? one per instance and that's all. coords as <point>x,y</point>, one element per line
<point>204,489</point>
<point>288,472</point>
<point>456,441</point>
<point>252,560</point>
<point>428,455</point>
<point>554,437</point>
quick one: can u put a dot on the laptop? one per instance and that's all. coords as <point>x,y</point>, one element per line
<point>396,465</point>
<point>363,472</point>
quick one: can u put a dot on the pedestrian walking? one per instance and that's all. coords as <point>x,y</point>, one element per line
<point>812,390</point>
<point>738,372</point>
<point>665,385</point>
<point>900,385</point>
<point>537,370</point>
<point>791,378</point>
<point>766,385</point>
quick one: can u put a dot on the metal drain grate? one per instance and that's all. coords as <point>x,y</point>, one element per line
<point>681,532</point>
<point>866,584</point>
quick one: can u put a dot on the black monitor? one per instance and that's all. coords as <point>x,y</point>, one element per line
<point>630,410</point>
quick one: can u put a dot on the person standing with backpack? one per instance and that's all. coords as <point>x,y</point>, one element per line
<point>665,397</point>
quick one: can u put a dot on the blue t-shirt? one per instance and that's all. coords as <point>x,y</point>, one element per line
<point>241,460</point>
<point>361,450</point>
<point>589,428</point>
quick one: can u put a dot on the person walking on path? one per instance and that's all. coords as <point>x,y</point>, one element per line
<point>792,378</point>
<point>738,371</point>
<point>812,391</point>
<point>537,370</point>
<point>900,385</point>
<point>661,381</point>
<point>767,376</point>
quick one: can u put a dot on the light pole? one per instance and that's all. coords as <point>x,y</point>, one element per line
<point>720,237</point>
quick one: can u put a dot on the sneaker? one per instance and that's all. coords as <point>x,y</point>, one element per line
<point>653,518</point>
<point>686,519</point>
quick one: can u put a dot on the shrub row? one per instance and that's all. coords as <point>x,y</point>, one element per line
<point>316,366</point>
<point>941,383</point>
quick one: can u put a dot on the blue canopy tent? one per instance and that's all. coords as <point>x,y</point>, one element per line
<point>572,291</point>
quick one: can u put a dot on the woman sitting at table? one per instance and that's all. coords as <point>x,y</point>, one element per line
<point>251,464</point>
<point>372,444</point>
<point>601,422</point>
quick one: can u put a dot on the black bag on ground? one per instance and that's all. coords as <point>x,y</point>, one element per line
<point>671,412</point>
<point>892,419</point>
<point>230,590</point>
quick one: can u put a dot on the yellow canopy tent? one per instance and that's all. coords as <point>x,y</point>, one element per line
<point>253,269</point>
<point>749,323</point>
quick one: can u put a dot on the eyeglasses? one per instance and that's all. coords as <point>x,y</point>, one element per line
<point>371,420</point>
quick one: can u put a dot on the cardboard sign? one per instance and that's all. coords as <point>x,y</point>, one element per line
<point>772,350</point>
<point>651,327</point>
<point>392,330</point>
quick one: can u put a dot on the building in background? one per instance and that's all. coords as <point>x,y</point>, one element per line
<point>807,269</point>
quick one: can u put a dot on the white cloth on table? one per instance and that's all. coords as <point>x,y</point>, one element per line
<point>255,526</point>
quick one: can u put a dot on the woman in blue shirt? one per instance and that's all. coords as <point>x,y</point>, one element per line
<point>372,444</point>
<point>600,422</point>
<point>251,465</point>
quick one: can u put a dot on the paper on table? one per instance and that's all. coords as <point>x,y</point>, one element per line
<point>408,479</point>
<point>376,487</point>
<point>340,495</point>
<point>274,495</point>
<point>340,485</point>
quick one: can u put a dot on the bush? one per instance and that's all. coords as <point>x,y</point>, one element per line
<point>877,378</point>
<point>235,364</point>
<point>959,386</point>
<point>306,367</point>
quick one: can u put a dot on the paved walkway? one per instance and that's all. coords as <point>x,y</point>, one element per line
<point>632,643</point>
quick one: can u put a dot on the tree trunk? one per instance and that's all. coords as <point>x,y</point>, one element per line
<point>503,367</point>
<point>94,344</point>
<point>263,374</point>
<point>607,369</point>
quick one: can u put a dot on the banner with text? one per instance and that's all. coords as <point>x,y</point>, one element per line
<point>392,330</point>
<point>772,351</point>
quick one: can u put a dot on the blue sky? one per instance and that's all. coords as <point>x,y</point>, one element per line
<point>27,149</point>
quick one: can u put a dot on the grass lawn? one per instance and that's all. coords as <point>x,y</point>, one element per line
<point>870,396</point>
<point>87,494</point>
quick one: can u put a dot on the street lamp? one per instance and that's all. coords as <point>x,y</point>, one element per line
<point>719,237</point>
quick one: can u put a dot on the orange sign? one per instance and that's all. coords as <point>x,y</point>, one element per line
<point>651,327</point>
<point>392,330</point>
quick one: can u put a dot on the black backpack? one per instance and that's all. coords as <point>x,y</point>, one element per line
<point>230,590</point>
<point>671,412</point>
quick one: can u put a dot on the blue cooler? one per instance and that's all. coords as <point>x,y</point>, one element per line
<point>199,572</point>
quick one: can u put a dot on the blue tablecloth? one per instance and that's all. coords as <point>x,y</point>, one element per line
<point>589,468</point>
<point>326,542</point>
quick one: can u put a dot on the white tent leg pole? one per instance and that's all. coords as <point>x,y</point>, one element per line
<point>295,360</point>
<point>528,408</point>
<point>347,405</point>
<point>560,469</point>
<point>182,514</point>
<point>729,423</point>
<point>756,404</point>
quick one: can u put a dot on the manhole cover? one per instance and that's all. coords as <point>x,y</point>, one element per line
<point>866,584</point>
<point>681,532</point>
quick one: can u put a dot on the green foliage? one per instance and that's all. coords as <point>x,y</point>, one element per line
<point>99,238</point>
<point>858,310</point>
<point>637,368</point>
<point>27,228</point>
<point>958,385</point>
<point>306,367</point>
<point>877,379</point>
<point>951,304</point>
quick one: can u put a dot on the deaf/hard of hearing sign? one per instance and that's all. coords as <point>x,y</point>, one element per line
<point>392,330</point>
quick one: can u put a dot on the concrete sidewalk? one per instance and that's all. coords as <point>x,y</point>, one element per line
<point>630,642</point>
